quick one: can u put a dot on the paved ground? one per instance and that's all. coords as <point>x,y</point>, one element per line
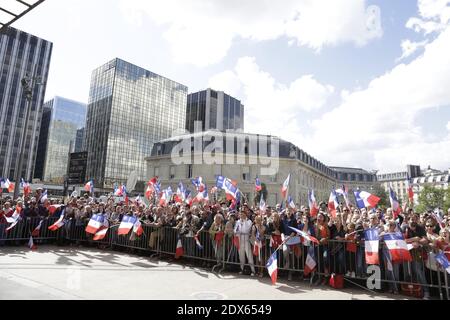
<point>82,273</point>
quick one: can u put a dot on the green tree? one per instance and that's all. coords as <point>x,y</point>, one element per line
<point>263,192</point>
<point>431,198</point>
<point>382,194</point>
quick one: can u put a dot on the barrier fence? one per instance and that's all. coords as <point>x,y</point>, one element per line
<point>346,258</point>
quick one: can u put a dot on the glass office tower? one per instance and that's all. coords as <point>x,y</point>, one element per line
<point>61,120</point>
<point>129,109</point>
<point>215,110</point>
<point>20,52</point>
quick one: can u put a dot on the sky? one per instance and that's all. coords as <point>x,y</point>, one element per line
<point>352,82</point>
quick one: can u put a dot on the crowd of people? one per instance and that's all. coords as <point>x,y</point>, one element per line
<point>341,236</point>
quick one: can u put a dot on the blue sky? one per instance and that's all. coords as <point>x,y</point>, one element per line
<point>308,71</point>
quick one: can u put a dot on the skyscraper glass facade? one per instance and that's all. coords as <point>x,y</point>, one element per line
<point>215,110</point>
<point>129,109</point>
<point>66,117</point>
<point>20,52</point>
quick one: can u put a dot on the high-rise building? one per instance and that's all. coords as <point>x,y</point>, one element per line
<point>79,140</point>
<point>214,110</point>
<point>60,122</point>
<point>20,54</point>
<point>129,109</point>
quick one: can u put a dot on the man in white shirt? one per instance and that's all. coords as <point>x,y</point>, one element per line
<point>242,229</point>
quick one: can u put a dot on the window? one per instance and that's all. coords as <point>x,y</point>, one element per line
<point>189,171</point>
<point>172,172</point>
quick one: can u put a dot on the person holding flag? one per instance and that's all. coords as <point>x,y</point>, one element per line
<point>242,230</point>
<point>257,238</point>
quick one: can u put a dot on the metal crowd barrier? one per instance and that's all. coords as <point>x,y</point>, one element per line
<point>334,257</point>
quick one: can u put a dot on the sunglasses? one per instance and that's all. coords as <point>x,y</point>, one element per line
<point>429,226</point>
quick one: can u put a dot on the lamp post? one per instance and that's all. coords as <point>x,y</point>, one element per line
<point>28,84</point>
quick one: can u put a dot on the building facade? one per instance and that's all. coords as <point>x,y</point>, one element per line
<point>129,109</point>
<point>213,110</point>
<point>79,140</point>
<point>355,178</point>
<point>20,54</point>
<point>61,120</point>
<point>398,181</point>
<point>242,157</point>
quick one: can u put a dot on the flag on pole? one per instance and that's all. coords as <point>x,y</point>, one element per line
<point>344,193</point>
<point>365,199</point>
<point>89,186</point>
<point>37,230</point>
<point>333,204</point>
<point>230,187</point>
<point>137,228</point>
<point>397,247</point>
<point>305,235</point>
<point>258,186</point>
<point>126,225</point>
<point>58,224</point>
<point>179,252</point>
<point>197,242</point>
<point>101,233</point>
<point>272,267</point>
<point>285,187</point>
<point>291,202</point>
<point>394,203</point>
<point>198,184</point>
<point>31,244</point>
<point>14,219</point>
<point>313,206</point>
<point>95,223</point>
<point>441,258</point>
<point>44,196</point>
<point>262,204</point>
<point>26,188</point>
<point>310,263</point>
<point>371,245</point>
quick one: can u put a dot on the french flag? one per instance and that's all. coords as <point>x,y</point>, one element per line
<point>89,186</point>
<point>257,247</point>
<point>58,224</point>
<point>5,183</point>
<point>137,228</point>
<point>179,252</point>
<point>198,183</point>
<point>313,207</point>
<point>410,190</point>
<point>344,192</point>
<point>119,191</point>
<point>126,225</point>
<point>188,197</point>
<point>148,192</point>
<point>397,247</point>
<point>26,188</point>
<point>285,187</point>
<point>31,244</point>
<point>53,208</point>
<point>371,243</point>
<point>333,204</point>
<point>101,233</point>
<point>310,263</point>
<point>14,219</point>
<point>44,196</point>
<point>166,197</point>
<point>219,237</point>
<point>394,203</point>
<point>197,242</point>
<point>272,267</point>
<point>258,186</point>
<point>443,261</point>
<point>95,223</point>
<point>306,236</point>
<point>291,202</point>
<point>262,204</point>
<point>365,199</point>
<point>202,196</point>
<point>180,195</point>
<point>230,187</point>
<point>37,230</point>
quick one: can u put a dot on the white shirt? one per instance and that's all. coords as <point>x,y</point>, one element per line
<point>243,227</point>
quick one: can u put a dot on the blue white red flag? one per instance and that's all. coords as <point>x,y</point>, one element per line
<point>397,247</point>
<point>371,244</point>
<point>394,203</point>
<point>89,186</point>
<point>197,242</point>
<point>258,186</point>
<point>333,204</point>
<point>313,206</point>
<point>231,190</point>
<point>198,184</point>
<point>126,225</point>
<point>365,199</point>
<point>285,186</point>
<point>179,251</point>
<point>272,267</point>
<point>95,223</point>
<point>441,258</point>
<point>310,263</point>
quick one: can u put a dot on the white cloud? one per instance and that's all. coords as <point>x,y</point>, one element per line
<point>435,15</point>
<point>272,107</point>
<point>201,32</point>
<point>448,126</point>
<point>409,48</point>
<point>377,125</point>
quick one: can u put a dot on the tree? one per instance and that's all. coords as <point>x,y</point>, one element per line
<point>382,194</point>
<point>263,192</point>
<point>432,198</point>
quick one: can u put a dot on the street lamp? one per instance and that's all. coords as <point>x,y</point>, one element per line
<point>28,84</point>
